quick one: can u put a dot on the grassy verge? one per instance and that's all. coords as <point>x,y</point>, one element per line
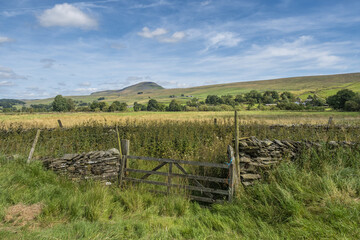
<point>315,197</point>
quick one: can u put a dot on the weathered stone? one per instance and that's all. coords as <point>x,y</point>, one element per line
<point>113,151</point>
<point>250,176</point>
<point>69,156</point>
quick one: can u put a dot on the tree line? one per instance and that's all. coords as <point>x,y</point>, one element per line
<point>343,100</point>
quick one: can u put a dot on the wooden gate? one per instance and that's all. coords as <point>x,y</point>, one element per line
<point>206,193</point>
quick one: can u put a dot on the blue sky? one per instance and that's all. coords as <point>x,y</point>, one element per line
<point>77,47</point>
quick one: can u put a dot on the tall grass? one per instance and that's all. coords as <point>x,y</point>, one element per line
<point>315,197</point>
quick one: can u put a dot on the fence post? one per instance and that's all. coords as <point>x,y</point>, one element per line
<point>237,160</point>
<point>169,178</point>
<point>125,149</point>
<point>231,181</point>
<point>33,146</point>
<point>60,123</point>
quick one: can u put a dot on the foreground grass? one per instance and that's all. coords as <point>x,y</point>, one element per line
<point>315,197</point>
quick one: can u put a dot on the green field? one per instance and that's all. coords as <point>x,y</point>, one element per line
<point>324,86</point>
<point>46,120</point>
<point>316,196</point>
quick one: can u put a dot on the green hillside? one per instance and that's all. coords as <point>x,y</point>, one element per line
<point>324,85</point>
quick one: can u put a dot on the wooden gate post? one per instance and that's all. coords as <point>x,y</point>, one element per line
<point>237,160</point>
<point>125,150</point>
<point>33,146</point>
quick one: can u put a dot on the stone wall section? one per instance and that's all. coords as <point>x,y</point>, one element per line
<point>101,165</point>
<point>258,156</point>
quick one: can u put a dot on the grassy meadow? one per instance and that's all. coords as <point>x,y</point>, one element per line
<point>49,120</point>
<point>316,196</point>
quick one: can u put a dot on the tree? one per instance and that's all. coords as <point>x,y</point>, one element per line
<point>338,100</point>
<point>213,100</point>
<point>253,94</point>
<point>174,106</point>
<point>117,106</point>
<point>270,96</point>
<point>153,105</point>
<point>59,104</point>
<point>287,97</point>
<point>137,106</point>
<point>240,98</point>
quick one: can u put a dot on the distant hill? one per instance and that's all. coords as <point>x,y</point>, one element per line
<point>322,85</point>
<point>139,87</point>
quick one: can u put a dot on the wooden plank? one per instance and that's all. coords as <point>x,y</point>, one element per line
<point>145,181</point>
<point>169,177</point>
<point>196,181</point>
<point>204,178</point>
<point>195,163</point>
<point>204,199</point>
<point>200,189</point>
<point>231,182</point>
<point>153,170</point>
<point>33,146</point>
<point>121,171</point>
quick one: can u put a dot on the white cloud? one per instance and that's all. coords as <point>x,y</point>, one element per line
<point>66,15</point>
<point>177,36</point>
<point>5,40</point>
<point>159,34</point>
<point>6,83</point>
<point>223,39</point>
<point>146,33</point>
<point>85,90</point>
<point>8,73</point>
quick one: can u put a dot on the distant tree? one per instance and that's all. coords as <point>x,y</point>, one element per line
<point>270,97</point>
<point>228,100</point>
<point>213,100</point>
<point>338,100</point>
<point>117,106</point>
<point>174,106</point>
<point>137,106</point>
<point>94,105</point>
<point>194,102</point>
<point>59,104</point>
<point>70,104</point>
<point>101,98</point>
<point>253,94</point>
<point>240,98</point>
<point>153,105</point>
<point>287,97</point>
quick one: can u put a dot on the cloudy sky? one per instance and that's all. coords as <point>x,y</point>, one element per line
<point>77,47</point>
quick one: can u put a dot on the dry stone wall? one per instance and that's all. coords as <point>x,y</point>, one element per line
<point>258,156</point>
<point>101,165</point>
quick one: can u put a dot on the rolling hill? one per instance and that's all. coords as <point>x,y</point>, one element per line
<point>323,85</point>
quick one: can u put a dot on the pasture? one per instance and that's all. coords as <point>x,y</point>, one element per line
<point>49,120</point>
<point>315,196</point>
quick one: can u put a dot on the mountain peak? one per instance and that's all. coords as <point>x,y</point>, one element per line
<point>138,87</point>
